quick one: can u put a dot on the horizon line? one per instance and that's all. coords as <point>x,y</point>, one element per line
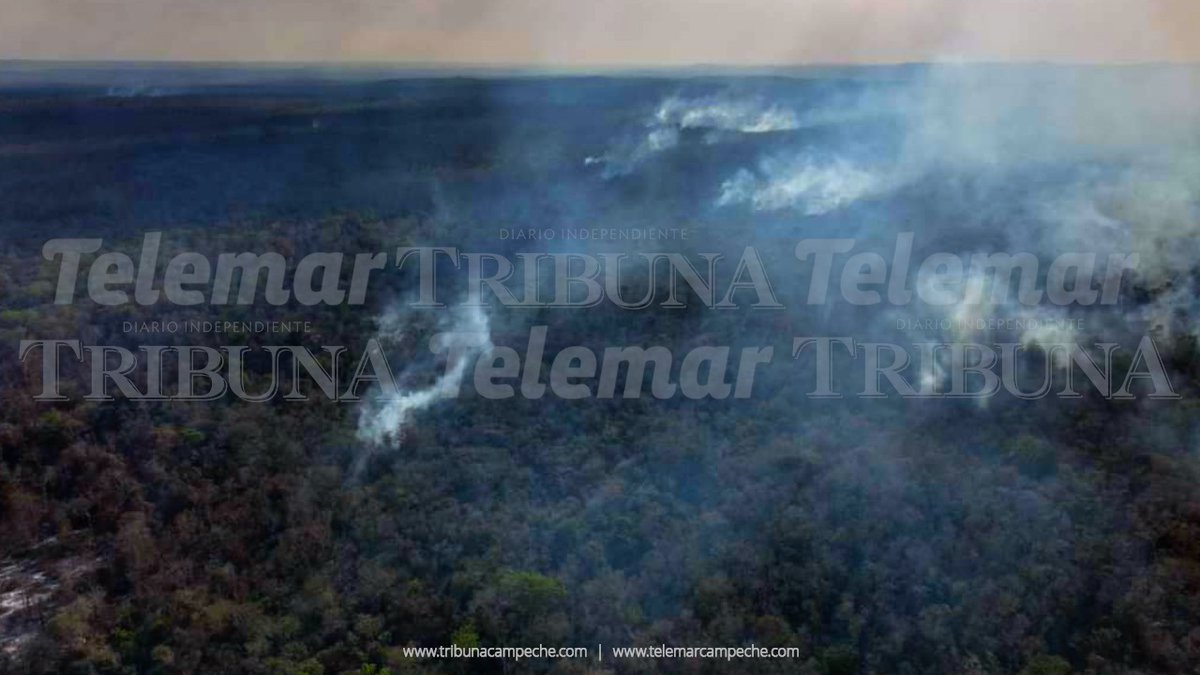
<point>582,67</point>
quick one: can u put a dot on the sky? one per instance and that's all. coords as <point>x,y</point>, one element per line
<point>604,33</point>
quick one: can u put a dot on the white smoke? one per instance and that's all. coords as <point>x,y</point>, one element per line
<point>622,159</point>
<point>384,419</point>
<point>748,116</point>
<point>811,187</point>
<point>719,115</point>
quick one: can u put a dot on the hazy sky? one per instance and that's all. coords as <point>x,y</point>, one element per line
<point>603,32</point>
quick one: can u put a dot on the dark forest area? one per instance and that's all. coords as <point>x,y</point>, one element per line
<point>884,535</point>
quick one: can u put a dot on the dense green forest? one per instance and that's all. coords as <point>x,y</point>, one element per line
<point>874,536</point>
<point>227,537</point>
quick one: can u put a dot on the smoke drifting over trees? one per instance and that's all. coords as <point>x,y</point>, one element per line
<point>876,535</point>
